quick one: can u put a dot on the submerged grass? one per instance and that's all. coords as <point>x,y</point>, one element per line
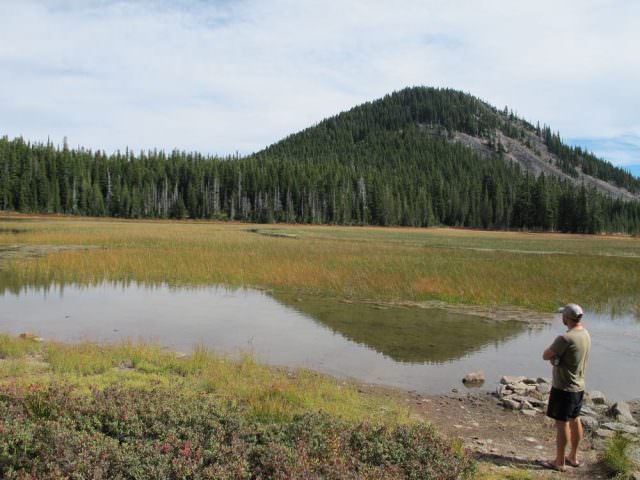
<point>537,271</point>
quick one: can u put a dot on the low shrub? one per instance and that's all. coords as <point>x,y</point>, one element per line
<point>60,432</point>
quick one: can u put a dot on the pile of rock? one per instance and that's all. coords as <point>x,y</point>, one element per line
<point>524,394</point>
<point>530,397</point>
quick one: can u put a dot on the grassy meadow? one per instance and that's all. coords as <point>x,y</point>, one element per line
<point>131,410</point>
<point>535,271</point>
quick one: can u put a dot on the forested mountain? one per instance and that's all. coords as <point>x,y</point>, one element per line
<point>418,157</point>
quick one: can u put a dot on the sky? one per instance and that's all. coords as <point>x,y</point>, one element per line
<point>226,76</point>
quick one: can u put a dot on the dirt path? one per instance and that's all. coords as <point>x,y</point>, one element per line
<point>494,435</point>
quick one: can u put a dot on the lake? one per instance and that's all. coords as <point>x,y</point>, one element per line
<point>428,351</point>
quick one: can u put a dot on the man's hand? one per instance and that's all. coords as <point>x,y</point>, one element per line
<point>548,354</point>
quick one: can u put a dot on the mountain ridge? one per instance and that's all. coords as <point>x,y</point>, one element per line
<point>524,144</point>
<point>417,157</point>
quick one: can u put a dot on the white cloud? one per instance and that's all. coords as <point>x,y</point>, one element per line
<point>623,151</point>
<point>237,75</point>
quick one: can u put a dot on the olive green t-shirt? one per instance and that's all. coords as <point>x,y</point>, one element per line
<point>573,349</point>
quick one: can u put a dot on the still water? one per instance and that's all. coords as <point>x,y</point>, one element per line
<point>424,350</point>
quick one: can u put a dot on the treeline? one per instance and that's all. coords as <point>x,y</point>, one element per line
<point>389,162</point>
<point>428,182</point>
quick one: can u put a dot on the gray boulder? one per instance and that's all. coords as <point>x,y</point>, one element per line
<point>587,410</point>
<point>543,388</point>
<point>474,378</point>
<point>620,427</point>
<point>510,404</point>
<point>590,423</point>
<point>633,453</point>
<point>509,380</point>
<point>621,412</point>
<point>529,400</point>
<point>604,433</point>
<point>521,388</point>
<point>597,397</point>
<point>502,391</point>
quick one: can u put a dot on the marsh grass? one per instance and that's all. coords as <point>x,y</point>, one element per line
<point>16,347</point>
<point>263,393</point>
<point>537,271</point>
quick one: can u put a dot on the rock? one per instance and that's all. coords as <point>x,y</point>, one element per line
<point>633,453</point>
<point>30,336</point>
<point>604,433</point>
<point>474,378</point>
<point>587,410</point>
<point>522,388</point>
<point>526,406</point>
<point>543,380</point>
<point>510,404</point>
<point>621,412</point>
<point>126,365</point>
<point>508,380</point>
<point>597,397</point>
<point>590,423</point>
<point>601,409</point>
<point>502,391</point>
<point>529,412</point>
<point>530,401</point>
<point>529,381</point>
<point>543,388</point>
<point>620,427</point>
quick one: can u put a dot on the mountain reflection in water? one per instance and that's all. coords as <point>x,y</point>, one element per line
<point>406,334</point>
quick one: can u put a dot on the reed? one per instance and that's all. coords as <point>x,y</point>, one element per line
<point>537,271</point>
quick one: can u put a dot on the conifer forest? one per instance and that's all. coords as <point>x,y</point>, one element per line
<point>394,161</point>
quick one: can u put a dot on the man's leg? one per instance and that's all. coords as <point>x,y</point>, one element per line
<point>575,425</point>
<point>562,437</point>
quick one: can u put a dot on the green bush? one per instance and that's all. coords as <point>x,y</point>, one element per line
<point>58,432</point>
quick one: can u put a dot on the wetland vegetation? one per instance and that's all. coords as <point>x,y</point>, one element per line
<point>265,421</point>
<point>137,411</point>
<point>535,271</point>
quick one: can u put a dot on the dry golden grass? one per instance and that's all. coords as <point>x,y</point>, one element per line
<point>539,271</point>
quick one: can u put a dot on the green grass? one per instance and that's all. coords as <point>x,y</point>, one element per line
<point>261,392</point>
<point>535,271</point>
<point>488,471</point>
<point>615,459</point>
<point>15,347</point>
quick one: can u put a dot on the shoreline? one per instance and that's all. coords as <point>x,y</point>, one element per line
<point>496,437</point>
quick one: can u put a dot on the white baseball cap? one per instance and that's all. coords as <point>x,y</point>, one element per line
<point>572,311</point>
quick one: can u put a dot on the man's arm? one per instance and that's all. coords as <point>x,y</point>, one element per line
<point>557,348</point>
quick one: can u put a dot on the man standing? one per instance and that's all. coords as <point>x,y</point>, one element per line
<point>568,354</point>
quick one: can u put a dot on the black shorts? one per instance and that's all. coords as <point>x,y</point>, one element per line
<point>563,405</point>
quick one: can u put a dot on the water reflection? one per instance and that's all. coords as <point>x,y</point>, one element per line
<point>406,334</point>
<point>424,350</point>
